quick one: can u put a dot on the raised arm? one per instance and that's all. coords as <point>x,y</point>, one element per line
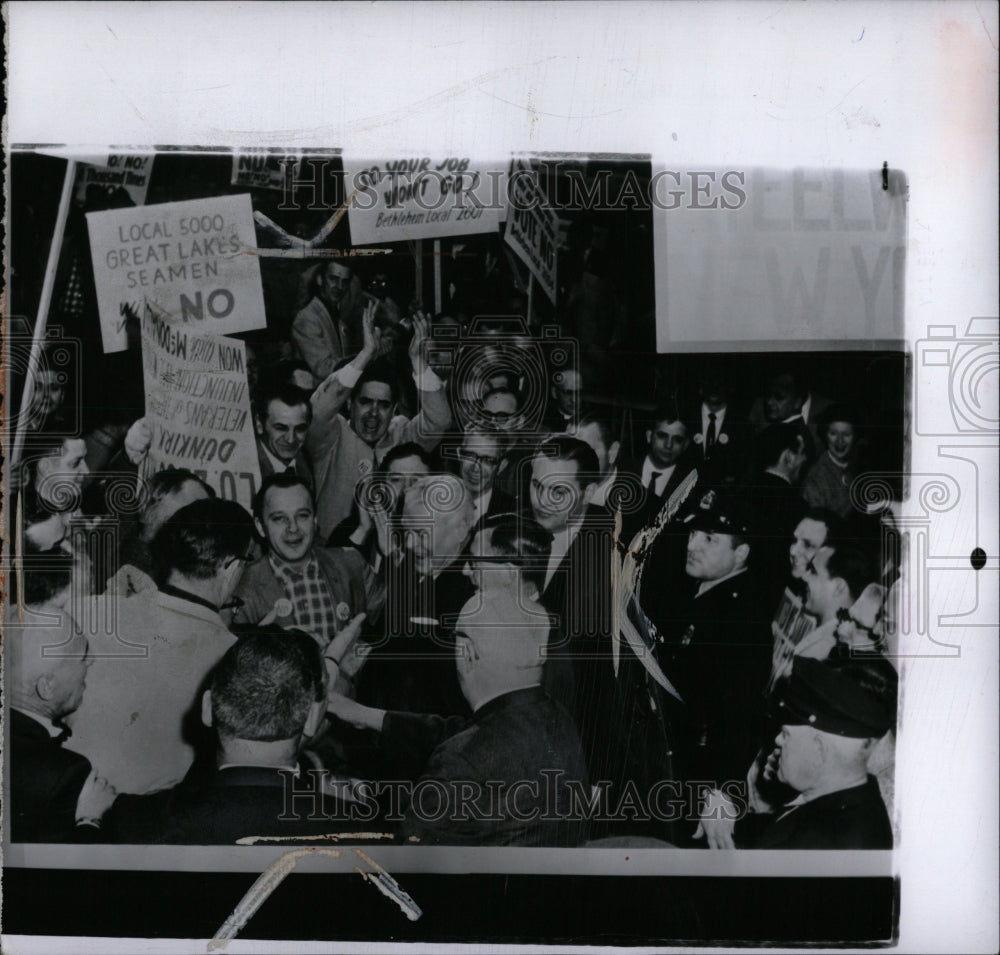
<point>429,426</point>
<point>331,396</point>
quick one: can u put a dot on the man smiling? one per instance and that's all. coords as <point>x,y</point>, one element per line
<point>315,589</point>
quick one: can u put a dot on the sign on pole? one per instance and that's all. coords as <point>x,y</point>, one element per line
<point>198,404</point>
<point>196,261</point>
<point>532,227</point>
<point>421,197</point>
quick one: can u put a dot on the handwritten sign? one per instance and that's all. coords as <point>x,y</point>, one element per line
<point>532,228</point>
<point>193,260</point>
<point>128,171</point>
<point>769,260</point>
<point>198,404</point>
<point>421,197</point>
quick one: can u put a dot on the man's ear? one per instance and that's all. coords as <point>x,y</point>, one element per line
<point>315,719</point>
<point>616,446</point>
<point>743,554</point>
<point>649,437</point>
<point>258,425</point>
<point>206,708</point>
<point>259,527</point>
<point>44,687</point>
<point>501,465</point>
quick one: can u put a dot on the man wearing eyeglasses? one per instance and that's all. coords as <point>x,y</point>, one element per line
<point>147,672</point>
<point>482,458</point>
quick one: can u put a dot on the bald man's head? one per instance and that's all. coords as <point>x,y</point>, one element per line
<point>500,645</point>
<point>46,668</point>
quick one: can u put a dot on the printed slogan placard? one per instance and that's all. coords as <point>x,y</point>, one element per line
<point>193,260</point>
<point>128,171</point>
<point>766,260</point>
<point>532,229</point>
<point>198,405</point>
<point>421,197</point>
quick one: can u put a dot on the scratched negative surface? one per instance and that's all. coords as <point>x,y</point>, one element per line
<point>518,514</point>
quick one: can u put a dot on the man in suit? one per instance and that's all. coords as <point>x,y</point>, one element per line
<point>789,399</point>
<point>282,414</point>
<point>54,794</point>
<point>157,646</point>
<point>667,460</point>
<point>345,450</point>
<point>620,488</point>
<point>482,458</point>
<point>721,441</point>
<point>411,668</point>
<point>513,773</point>
<point>777,504</point>
<point>297,584</point>
<point>266,698</point>
<point>831,714</point>
<point>577,589</point>
<point>320,331</point>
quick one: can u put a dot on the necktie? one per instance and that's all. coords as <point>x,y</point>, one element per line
<point>710,434</point>
<point>654,477</point>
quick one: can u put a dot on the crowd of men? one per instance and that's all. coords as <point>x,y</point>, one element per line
<point>459,612</point>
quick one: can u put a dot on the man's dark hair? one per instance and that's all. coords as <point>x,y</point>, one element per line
<point>772,442</point>
<point>169,481</point>
<point>199,538</point>
<point>264,686</point>
<point>276,390</point>
<point>561,447</point>
<point>281,480</point>
<point>834,524</point>
<point>525,542</point>
<point>45,574</point>
<point>590,415</point>
<point>381,371</point>
<point>408,449</point>
<point>502,439</point>
<point>854,566</point>
<point>670,414</point>
<point>796,382</point>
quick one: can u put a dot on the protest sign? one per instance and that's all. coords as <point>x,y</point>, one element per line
<point>198,404</point>
<point>262,168</point>
<point>421,197</point>
<point>768,260</point>
<point>129,171</point>
<point>532,228</point>
<point>194,260</point>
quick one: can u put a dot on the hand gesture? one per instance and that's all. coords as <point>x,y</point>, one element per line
<point>421,332</point>
<point>343,658</point>
<point>95,799</point>
<point>139,440</point>
<point>718,819</point>
<point>372,336</point>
